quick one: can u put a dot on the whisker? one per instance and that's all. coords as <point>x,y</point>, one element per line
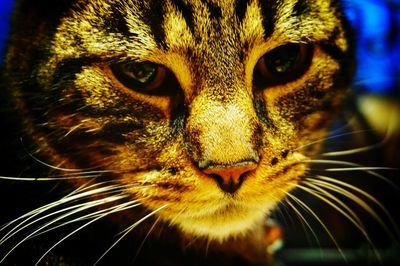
<point>68,176</point>
<point>285,214</point>
<point>345,126</point>
<point>303,220</point>
<point>76,208</point>
<point>29,218</point>
<point>345,169</point>
<point>121,207</point>
<point>49,165</point>
<point>321,194</point>
<point>47,178</point>
<point>84,217</point>
<point>39,229</point>
<point>128,230</point>
<point>329,137</point>
<point>145,238</point>
<point>359,201</point>
<point>361,149</point>
<point>73,197</point>
<point>315,216</point>
<point>336,162</point>
<point>390,129</point>
<point>77,230</point>
<point>355,150</point>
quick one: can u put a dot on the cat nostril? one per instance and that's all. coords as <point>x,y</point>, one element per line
<point>229,186</point>
<point>230,177</point>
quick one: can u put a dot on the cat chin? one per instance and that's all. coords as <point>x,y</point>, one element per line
<point>228,223</point>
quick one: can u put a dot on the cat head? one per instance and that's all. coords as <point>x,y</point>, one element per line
<point>206,111</point>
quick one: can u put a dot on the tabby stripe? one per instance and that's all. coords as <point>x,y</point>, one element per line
<point>117,22</point>
<point>241,9</point>
<point>64,75</point>
<point>262,112</point>
<point>117,137</point>
<point>300,8</point>
<point>187,13</point>
<point>121,109</point>
<point>333,51</point>
<point>119,128</point>
<point>268,12</point>
<point>298,104</point>
<point>179,116</point>
<point>214,10</point>
<point>71,66</point>
<point>154,18</point>
<point>114,132</point>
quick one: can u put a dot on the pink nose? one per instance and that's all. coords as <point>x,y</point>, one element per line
<point>230,177</point>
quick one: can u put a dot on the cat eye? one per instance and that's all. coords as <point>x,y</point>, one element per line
<point>145,77</point>
<point>284,64</point>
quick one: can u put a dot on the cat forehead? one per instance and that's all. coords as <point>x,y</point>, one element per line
<point>200,19</point>
<point>214,10</point>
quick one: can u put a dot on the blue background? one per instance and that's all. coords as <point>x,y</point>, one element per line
<point>377,23</point>
<point>5,8</point>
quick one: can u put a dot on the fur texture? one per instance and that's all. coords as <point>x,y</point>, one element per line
<point>215,147</point>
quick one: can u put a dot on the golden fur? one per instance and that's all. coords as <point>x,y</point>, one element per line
<point>215,115</point>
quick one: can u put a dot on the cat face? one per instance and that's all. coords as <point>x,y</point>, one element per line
<point>201,110</point>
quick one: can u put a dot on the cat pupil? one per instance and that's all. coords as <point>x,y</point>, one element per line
<point>142,72</point>
<point>283,64</point>
<point>145,77</point>
<point>282,60</point>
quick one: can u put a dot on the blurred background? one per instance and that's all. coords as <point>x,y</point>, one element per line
<point>376,93</point>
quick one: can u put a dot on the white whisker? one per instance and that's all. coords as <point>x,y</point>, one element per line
<point>71,198</point>
<point>60,218</point>
<point>313,214</point>
<point>75,209</point>
<point>303,220</point>
<point>29,217</point>
<point>145,238</point>
<point>77,230</point>
<point>358,200</point>
<point>47,178</point>
<point>354,151</point>
<point>329,138</point>
<point>49,165</point>
<point>360,149</point>
<point>336,162</point>
<point>324,195</point>
<point>128,230</point>
<point>391,128</point>
<point>350,215</point>
<point>364,168</point>
<point>120,207</point>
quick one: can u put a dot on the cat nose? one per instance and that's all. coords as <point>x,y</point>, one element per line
<point>229,177</point>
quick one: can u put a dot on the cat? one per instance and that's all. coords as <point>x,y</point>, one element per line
<point>165,132</point>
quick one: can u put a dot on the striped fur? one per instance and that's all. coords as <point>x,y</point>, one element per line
<point>78,115</point>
